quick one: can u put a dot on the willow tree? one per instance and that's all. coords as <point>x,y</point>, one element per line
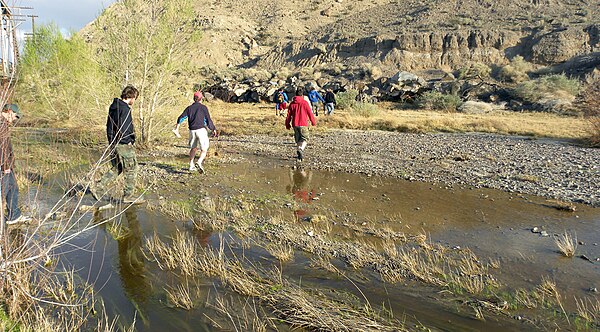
<point>148,43</point>
<point>59,78</point>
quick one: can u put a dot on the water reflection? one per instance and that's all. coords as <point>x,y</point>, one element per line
<point>131,259</point>
<point>301,189</point>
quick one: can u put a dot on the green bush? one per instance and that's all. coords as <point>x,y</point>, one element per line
<point>346,100</point>
<point>434,100</point>
<point>516,71</point>
<point>555,86</point>
<point>366,110</point>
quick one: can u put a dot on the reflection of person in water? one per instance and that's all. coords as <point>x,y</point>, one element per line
<point>131,258</point>
<point>300,188</point>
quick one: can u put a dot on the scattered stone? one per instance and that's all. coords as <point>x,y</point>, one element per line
<point>544,234</point>
<point>535,230</point>
<point>581,243</point>
<point>85,208</point>
<point>106,207</point>
<point>593,289</point>
<point>586,258</point>
<point>310,233</point>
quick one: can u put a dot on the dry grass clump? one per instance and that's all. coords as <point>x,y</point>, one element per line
<point>181,297</point>
<point>589,310</point>
<point>567,244</point>
<point>294,305</point>
<point>180,210</point>
<point>284,252</point>
<point>181,254</point>
<point>243,316</point>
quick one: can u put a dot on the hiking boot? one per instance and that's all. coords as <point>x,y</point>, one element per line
<point>133,199</point>
<point>300,155</point>
<point>193,168</point>
<point>200,168</point>
<point>20,219</point>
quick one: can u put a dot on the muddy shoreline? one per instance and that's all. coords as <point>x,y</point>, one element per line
<point>540,167</point>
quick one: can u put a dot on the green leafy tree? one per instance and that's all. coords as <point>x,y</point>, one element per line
<point>147,43</point>
<point>58,78</point>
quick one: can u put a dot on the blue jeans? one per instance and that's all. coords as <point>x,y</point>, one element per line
<point>329,108</point>
<point>10,194</point>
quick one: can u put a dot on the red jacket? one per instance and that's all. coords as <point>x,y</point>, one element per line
<point>299,112</point>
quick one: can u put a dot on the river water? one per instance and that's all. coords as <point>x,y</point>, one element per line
<point>493,224</point>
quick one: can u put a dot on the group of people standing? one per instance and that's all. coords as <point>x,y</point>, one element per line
<point>313,97</point>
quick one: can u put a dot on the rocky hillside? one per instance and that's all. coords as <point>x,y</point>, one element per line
<point>406,35</point>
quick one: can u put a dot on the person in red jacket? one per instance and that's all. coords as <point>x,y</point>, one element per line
<point>299,113</point>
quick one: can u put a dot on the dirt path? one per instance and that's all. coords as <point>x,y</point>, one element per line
<point>514,164</point>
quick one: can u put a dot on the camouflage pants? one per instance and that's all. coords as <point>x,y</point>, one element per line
<point>123,160</point>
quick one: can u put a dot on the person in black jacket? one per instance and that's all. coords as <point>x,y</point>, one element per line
<point>121,138</point>
<point>329,102</point>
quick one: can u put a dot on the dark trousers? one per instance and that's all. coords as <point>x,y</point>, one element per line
<point>10,195</point>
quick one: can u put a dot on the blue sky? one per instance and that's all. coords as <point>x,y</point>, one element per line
<point>69,15</point>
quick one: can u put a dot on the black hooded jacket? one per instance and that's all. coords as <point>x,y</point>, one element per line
<point>119,125</point>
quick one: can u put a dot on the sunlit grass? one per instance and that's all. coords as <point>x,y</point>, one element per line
<point>567,244</point>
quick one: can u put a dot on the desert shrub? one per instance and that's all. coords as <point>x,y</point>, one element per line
<point>366,110</point>
<point>475,70</point>
<point>552,86</point>
<point>434,100</point>
<point>283,73</point>
<point>516,71</point>
<point>590,102</point>
<point>346,100</point>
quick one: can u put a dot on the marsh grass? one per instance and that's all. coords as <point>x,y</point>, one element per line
<point>284,252</point>
<point>180,296</point>
<point>589,310</point>
<point>549,292</point>
<point>178,209</point>
<point>246,315</point>
<point>567,244</point>
<point>179,255</point>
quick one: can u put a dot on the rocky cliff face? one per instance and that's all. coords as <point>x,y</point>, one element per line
<point>449,50</point>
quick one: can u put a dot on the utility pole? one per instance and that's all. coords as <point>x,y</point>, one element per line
<point>33,25</point>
